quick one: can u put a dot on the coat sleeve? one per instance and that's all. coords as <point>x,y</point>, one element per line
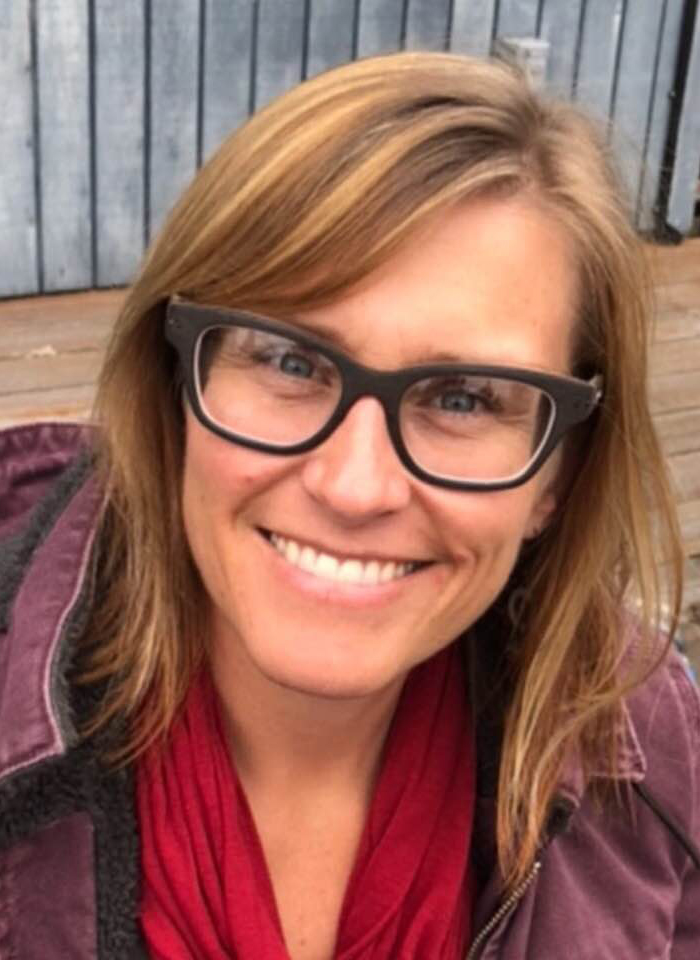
<point>686,940</point>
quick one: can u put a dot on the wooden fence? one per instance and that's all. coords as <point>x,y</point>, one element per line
<point>114,105</point>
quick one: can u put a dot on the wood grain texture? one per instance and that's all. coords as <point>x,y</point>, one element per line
<point>681,201</point>
<point>689,518</point>
<point>18,213</point>
<point>280,48</point>
<point>60,323</point>
<point>64,134</point>
<point>659,111</point>
<point>379,29</point>
<point>331,35</point>
<point>560,26</point>
<point>427,24</point>
<point>634,91</point>
<point>61,403</point>
<point>676,356</point>
<point>472,27</point>
<point>119,65</point>
<point>674,391</point>
<point>674,265</point>
<point>685,470</point>
<point>599,41</point>
<point>517,18</point>
<point>174,74</point>
<point>228,39</point>
<point>48,371</point>
<point>679,430</point>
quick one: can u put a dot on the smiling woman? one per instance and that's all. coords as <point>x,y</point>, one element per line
<point>324,634</point>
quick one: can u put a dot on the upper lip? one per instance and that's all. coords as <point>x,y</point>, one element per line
<point>349,554</point>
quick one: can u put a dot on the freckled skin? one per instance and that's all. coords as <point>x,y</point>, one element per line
<point>491,281</point>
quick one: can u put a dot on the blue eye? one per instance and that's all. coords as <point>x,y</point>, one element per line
<point>457,401</point>
<point>296,365</point>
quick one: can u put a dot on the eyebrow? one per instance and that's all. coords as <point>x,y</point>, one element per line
<point>336,339</point>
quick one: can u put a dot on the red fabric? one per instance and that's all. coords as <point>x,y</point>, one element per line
<point>206,889</point>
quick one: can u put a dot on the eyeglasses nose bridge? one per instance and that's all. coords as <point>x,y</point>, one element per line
<point>386,388</point>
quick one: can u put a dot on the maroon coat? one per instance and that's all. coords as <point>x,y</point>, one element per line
<point>607,886</point>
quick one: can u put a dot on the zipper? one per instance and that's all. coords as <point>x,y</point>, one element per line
<point>505,908</point>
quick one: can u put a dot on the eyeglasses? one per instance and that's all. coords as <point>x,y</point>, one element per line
<point>268,386</point>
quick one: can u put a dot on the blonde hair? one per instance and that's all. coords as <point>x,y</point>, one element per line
<point>299,205</point>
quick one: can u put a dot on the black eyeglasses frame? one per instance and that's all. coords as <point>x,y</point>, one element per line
<point>573,400</point>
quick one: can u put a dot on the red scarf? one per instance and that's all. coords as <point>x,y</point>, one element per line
<point>206,889</point>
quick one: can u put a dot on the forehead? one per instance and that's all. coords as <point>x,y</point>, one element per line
<point>491,281</point>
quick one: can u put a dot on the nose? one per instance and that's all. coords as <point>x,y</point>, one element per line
<point>356,473</point>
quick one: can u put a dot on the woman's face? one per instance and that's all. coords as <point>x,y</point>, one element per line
<point>491,282</point>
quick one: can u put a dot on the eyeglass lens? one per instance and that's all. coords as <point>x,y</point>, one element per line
<point>272,389</point>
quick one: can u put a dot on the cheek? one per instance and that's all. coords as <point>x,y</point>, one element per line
<point>220,476</point>
<point>487,526</point>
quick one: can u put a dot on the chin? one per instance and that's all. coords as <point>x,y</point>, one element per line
<point>334,678</point>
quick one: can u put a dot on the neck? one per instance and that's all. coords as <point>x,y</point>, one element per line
<point>286,739</point>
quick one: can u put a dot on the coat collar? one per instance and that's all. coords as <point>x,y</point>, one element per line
<point>44,575</point>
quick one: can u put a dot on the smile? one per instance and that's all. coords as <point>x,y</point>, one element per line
<point>339,569</point>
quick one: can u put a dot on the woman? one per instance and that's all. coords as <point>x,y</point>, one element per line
<point>321,646</point>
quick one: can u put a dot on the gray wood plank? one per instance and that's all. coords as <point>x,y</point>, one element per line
<point>599,41</point>
<point>18,214</point>
<point>517,18</point>
<point>59,403</point>
<point>660,108</point>
<point>472,27</point>
<point>279,49</point>
<point>685,169</point>
<point>630,111</point>
<point>560,25</point>
<point>228,40</point>
<point>173,108</point>
<point>64,134</point>
<point>119,133</point>
<point>379,27</point>
<point>427,26</point>
<point>331,28</point>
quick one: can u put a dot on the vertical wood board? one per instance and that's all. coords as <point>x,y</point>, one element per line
<point>660,112</point>
<point>599,42</point>
<point>280,47</point>
<point>517,18</point>
<point>560,26</point>
<point>18,214</point>
<point>681,201</point>
<point>174,77</point>
<point>633,95</point>
<point>65,137</point>
<point>119,139</point>
<point>228,42</point>
<point>472,27</point>
<point>331,33</point>
<point>380,25</point>
<point>428,25</point>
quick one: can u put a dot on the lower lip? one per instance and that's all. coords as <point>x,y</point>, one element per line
<point>334,591</point>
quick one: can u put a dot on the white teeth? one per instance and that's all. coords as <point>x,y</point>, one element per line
<point>307,560</point>
<point>327,567</point>
<point>292,551</point>
<point>350,571</point>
